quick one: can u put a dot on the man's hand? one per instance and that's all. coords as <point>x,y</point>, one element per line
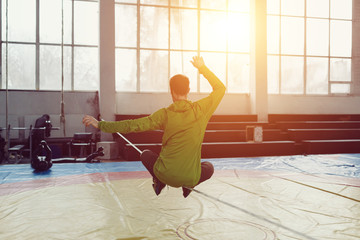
<point>89,120</point>
<point>198,62</point>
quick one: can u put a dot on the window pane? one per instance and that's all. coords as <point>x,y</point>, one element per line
<point>292,7</point>
<point>50,68</point>
<point>125,25</point>
<point>292,35</point>
<point>273,34</point>
<point>67,22</point>
<point>217,64</point>
<point>218,4</point>
<point>155,2</point>
<point>86,21</point>
<point>50,21</point>
<point>340,69</point>
<point>21,65</point>
<point>180,64</point>
<point>187,3</point>
<point>213,31</point>
<point>273,74</point>
<point>183,31</point>
<point>340,38</point>
<point>273,6</point>
<point>317,37</point>
<point>239,73</point>
<point>125,1</point>
<point>238,28</point>
<point>292,75</point>
<point>86,68</point>
<point>154,71</point>
<point>317,8</point>
<point>341,9</point>
<point>340,88</point>
<point>154,26</point>
<point>22,19</point>
<point>317,75</point>
<point>239,5</point>
<point>125,70</point>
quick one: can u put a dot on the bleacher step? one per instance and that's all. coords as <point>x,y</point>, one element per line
<point>323,134</point>
<point>210,136</point>
<point>318,125</point>
<point>227,149</point>
<point>332,146</point>
<point>238,125</point>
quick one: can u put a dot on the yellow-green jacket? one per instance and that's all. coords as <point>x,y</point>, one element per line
<point>184,123</point>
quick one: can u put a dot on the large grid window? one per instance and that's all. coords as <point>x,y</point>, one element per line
<point>156,39</point>
<point>34,44</point>
<point>309,46</point>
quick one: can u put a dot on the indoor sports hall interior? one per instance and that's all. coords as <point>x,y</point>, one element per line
<point>284,141</point>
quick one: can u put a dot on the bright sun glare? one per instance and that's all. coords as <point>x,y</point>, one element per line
<point>232,29</point>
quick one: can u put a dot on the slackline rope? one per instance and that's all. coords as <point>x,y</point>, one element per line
<point>131,144</point>
<point>136,148</point>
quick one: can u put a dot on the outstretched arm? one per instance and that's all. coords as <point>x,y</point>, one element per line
<point>89,120</point>
<point>153,122</point>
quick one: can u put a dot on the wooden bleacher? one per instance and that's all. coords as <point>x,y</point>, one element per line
<point>322,134</point>
<point>282,135</point>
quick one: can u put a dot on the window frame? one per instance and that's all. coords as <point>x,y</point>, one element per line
<point>305,55</point>
<point>169,6</point>
<point>37,45</point>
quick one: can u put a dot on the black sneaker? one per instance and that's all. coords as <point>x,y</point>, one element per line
<point>186,192</point>
<point>158,186</point>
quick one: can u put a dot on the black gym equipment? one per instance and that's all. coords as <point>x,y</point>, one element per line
<point>89,159</point>
<point>39,161</point>
<point>41,130</point>
<point>42,157</point>
<point>2,148</point>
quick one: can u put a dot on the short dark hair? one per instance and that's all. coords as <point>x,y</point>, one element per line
<point>179,84</point>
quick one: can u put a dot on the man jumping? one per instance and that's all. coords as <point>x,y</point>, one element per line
<point>184,124</point>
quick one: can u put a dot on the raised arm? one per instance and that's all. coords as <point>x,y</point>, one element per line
<point>198,62</point>
<point>209,104</point>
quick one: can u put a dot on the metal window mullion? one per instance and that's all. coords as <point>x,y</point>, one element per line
<point>37,44</point>
<point>280,17</point>
<point>227,50</point>
<point>138,48</point>
<point>305,57</point>
<point>329,82</point>
<point>198,45</point>
<point>168,50</point>
<point>72,45</point>
<point>23,43</point>
<point>1,7</point>
<point>342,82</point>
<point>7,138</point>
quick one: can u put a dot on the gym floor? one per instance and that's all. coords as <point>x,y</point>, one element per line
<point>288,197</point>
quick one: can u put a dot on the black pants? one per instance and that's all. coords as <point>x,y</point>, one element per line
<point>148,158</point>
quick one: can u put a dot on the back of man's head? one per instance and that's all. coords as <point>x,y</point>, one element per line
<point>179,84</point>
